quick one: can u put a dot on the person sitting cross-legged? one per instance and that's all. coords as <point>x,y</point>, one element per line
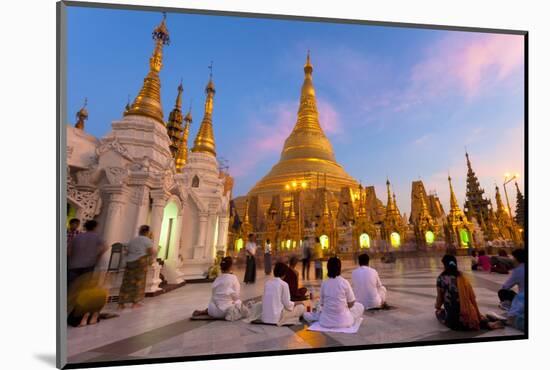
<point>367,286</point>
<point>338,306</point>
<point>225,302</point>
<point>277,308</point>
<point>291,278</point>
<point>506,294</point>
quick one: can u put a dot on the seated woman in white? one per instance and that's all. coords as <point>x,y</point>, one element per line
<point>277,308</point>
<point>367,285</point>
<point>225,302</point>
<point>338,306</point>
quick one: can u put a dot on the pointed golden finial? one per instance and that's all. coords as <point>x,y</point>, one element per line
<point>148,102</point>
<point>246,218</point>
<point>498,199</point>
<point>174,126</point>
<point>189,117</point>
<point>127,107</point>
<point>82,115</point>
<point>204,142</point>
<point>308,68</point>
<point>454,202</point>
<point>389,204</point>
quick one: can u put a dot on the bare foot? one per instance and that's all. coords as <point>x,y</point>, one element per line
<point>94,319</point>
<point>199,313</point>
<point>137,305</point>
<point>84,320</point>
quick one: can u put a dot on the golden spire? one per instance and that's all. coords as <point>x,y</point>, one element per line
<point>500,204</point>
<point>173,127</point>
<point>82,115</point>
<point>454,202</point>
<point>204,142</point>
<point>147,102</point>
<point>390,203</point>
<point>246,218</point>
<point>181,158</point>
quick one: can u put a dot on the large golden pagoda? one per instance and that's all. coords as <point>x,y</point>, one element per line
<point>307,152</point>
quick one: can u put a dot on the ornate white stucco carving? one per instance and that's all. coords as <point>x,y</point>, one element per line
<point>116,175</point>
<point>116,146</point>
<point>88,202</point>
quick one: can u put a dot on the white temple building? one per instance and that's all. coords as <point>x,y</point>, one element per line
<point>142,172</point>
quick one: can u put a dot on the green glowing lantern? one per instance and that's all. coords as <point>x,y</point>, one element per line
<point>395,239</point>
<point>464,237</point>
<point>324,241</point>
<point>364,240</point>
<point>430,237</point>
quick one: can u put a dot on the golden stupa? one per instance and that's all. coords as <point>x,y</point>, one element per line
<point>307,155</point>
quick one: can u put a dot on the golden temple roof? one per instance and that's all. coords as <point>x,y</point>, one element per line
<point>147,102</point>
<point>307,151</point>
<point>204,142</point>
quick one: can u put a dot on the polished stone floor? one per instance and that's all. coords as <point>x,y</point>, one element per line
<point>162,327</point>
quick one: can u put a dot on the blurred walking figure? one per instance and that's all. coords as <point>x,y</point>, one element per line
<point>267,257</point>
<point>72,230</point>
<point>84,251</point>
<point>139,252</point>
<point>318,259</point>
<point>306,258</point>
<point>250,250</point>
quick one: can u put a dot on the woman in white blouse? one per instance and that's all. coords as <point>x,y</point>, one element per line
<point>225,301</point>
<point>277,308</point>
<point>338,306</point>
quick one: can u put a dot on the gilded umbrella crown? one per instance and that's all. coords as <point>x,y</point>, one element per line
<point>148,102</point>
<point>82,115</point>
<point>204,141</point>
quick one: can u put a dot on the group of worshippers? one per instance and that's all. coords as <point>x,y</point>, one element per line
<point>86,293</point>
<point>311,251</point>
<point>456,305</point>
<point>339,306</point>
<point>500,263</point>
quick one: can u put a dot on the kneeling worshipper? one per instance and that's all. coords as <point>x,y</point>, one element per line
<point>338,308</point>
<point>86,298</point>
<point>456,305</point>
<point>276,306</point>
<point>291,278</point>
<point>225,302</point>
<point>367,285</point>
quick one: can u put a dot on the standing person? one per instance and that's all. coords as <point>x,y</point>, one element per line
<point>225,302</point>
<point>367,285</point>
<point>250,250</point>
<point>506,294</point>
<point>456,305</point>
<point>318,259</point>
<point>277,308</point>
<point>84,251</point>
<point>338,306</point>
<point>72,230</point>
<point>306,258</point>
<point>267,257</point>
<point>139,252</point>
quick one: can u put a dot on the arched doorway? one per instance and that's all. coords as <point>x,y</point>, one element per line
<point>395,239</point>
<point>364,241</point>
<point>429,237</point>
<point>324,240</point>
<point>168,230</point>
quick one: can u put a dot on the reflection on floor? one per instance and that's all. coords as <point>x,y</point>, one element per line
<point>162,327</point>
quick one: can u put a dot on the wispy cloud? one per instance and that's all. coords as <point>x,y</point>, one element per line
<point>468,64</point>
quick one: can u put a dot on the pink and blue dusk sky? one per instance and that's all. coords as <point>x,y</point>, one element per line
<point>395,102</point>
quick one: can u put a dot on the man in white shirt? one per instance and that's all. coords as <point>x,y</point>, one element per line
<point>277,308</point>
<point>367,286</point>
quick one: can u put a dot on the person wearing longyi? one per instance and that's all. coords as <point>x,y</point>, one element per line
<point>277,308</point>
<point>291,278</point>
<point>338,306</point>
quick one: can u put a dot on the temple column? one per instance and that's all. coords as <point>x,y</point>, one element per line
<point>159,196</point>
<point>198,252</point>
<point>221,244</point>
<point>141,200</point>
<point>113,229</point>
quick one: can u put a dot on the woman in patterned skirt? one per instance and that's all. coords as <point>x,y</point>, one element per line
<point>139,250</point>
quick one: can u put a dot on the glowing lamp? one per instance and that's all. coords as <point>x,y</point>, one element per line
<point>294,184</point>
<point>287,187</point>
<point>464,237</point>
<point>239,244</point>
<point>304,185</point>
<point>324,241</point>
<point>364,240</point>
